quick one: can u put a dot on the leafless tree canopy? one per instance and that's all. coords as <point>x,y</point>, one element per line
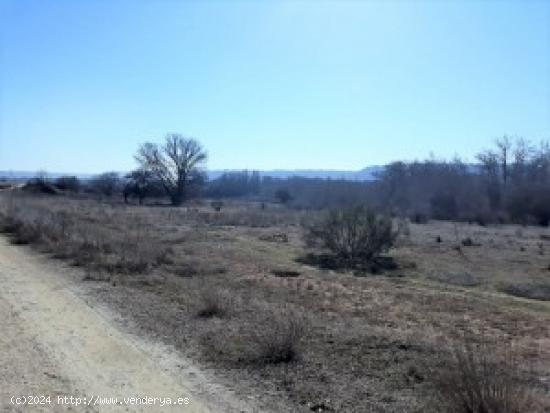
<point>106,184</point>
<point>175,163</point>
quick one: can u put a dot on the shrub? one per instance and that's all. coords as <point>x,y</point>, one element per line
<point>529,205</point>
<point>419,218</point>
<point>285,273</point>
<point>67,183</point>
<point>275,237</point>
<point>444,206</point>
<point>28,234</point>
<point>354,235</point>
<point>54,228</point>
<point>278,341</point>
<point>216,205</point>
<point>469,242</point>
<point>107,183</point>
<point>481,379</point>
<point>213,303</point>
<point>484,218</point>
<point>540,208</point>
<point>40,186</point>
<point>283,196</point>
<point>531,291</point>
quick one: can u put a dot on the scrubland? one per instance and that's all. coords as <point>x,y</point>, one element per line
<point>463,314</point>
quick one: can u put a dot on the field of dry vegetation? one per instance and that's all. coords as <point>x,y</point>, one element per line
<point>466,306</point>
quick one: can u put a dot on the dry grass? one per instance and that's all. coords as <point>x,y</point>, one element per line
<point>88,236</point>
<point>280,338</point>
<point>532,291</point>
<point>482,378</point>
<point>214,302</point>
<point>252,216</point>
<point>365,338</point>
<point>503,255</point>
<point>273,335</point>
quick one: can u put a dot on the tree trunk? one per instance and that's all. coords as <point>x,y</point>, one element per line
<point>179,195</point>
<point>177,199</point>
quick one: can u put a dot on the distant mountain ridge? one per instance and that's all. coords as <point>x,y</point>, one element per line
<point>365,174</point>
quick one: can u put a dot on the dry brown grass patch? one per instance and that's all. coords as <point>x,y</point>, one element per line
<point>88,236</point>
<point>270,336</point>
<point>482,378</point>
<point>214,302</point>
<point>280,338</point>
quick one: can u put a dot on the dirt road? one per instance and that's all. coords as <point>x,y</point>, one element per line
<point>53,343</point>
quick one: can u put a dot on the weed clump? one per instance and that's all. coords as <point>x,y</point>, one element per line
<point>480,378</point>
<point>272,336</point>
<point>213,303</point>
<point>278,342</point>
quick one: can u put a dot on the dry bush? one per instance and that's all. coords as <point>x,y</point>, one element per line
<point>481,378</point>
<point>214,302</point>
<point>216,205</point>
<point>258,335</point>
<point>279,237</point>
<point>68,183</point>
<point>136,253</point>
<point>188,269</point>
<point>284,273</point>
<point>278,339</point>
<point>198,266</point>
<point>28,234</point>
<point>355,235</point>
<point>86,235</point>
<point>29,226</point>
<point>532,291</point>
<point>469,242</point>
<point>419,218</point>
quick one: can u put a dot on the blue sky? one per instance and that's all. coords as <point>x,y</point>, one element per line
<point>266,84</point>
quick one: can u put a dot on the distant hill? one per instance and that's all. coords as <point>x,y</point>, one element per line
<point>366,174</point>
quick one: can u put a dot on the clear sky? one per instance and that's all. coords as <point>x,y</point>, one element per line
<point>267,84</point>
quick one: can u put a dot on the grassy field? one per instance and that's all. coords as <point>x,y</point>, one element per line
<point>230,290</point>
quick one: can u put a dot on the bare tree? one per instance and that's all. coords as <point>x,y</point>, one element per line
<point>175,164</point>
<point>106,183</point>
<point>138,183</point>
<point>522,154</point>
<point>490,166</point>
<point>504,146</point>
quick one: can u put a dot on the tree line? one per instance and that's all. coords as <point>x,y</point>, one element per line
<point>509,182</point>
